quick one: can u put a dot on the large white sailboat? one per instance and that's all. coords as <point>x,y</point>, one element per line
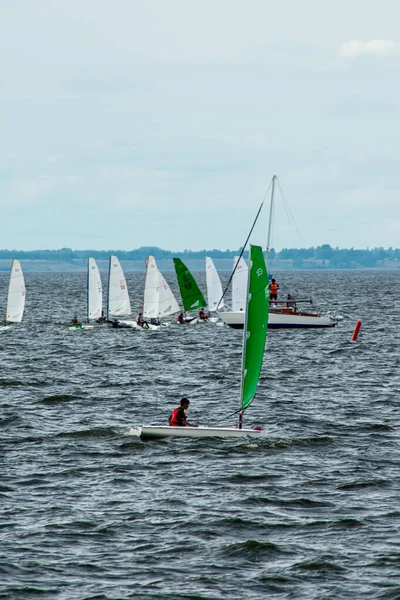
<point>282,315</point>
<point>254,336</point>
<point>16,294</point>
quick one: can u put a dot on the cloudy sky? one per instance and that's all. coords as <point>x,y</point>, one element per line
<point>131,123</point>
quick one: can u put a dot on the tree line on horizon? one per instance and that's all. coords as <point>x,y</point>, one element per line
<point>320,256</point>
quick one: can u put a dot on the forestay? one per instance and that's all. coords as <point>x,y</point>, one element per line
<point>94,291</point>
<point>239,284</point>
<point>192,297</point>
<point>118,297</point>
<point>16,294</point>
<point>256,324</point>
<point>214,287</point>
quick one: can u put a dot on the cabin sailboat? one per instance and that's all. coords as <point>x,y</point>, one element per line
<point>254,337</point>
<point>282,315</point>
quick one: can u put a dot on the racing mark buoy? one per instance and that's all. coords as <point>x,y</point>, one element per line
<point>356,331</point>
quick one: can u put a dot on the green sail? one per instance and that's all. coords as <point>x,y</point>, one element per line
<point>255,329</point>
<point>192,297</point>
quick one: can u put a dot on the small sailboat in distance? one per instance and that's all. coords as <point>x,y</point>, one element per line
<point>94,291</point>
<point>192,297</point>
<point>254,337</point>
<point>16,294</point>
<point>158,300</point>
<point>118,303</point>
<point>214,288</point>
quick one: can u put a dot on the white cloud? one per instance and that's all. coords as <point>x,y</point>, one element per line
<point>356,48</point>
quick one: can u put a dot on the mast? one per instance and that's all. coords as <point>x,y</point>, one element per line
<point>271,207</point>
<point>108,295</point>
<point>87,290</point>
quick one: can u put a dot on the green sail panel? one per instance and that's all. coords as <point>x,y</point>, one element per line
<point>255,329</point>
<point>192,297</point>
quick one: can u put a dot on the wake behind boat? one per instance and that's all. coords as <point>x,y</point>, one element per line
<point>254,337</point>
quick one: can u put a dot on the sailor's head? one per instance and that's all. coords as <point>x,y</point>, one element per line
<point>185,402</point>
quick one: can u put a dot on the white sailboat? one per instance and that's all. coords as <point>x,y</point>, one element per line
<point>158,300</point>
<point>214,288</point>
<point>283,315</point>
<point>118,303</point>
<point>254,336</point>
<point>16,294</point>
<point>94,291</point>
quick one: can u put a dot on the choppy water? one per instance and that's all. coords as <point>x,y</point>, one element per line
<point>309,511</point>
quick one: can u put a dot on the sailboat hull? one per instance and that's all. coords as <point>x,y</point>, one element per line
<point>154,432</point>
<point>236,320</point>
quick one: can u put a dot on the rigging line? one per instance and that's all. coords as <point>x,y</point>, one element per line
<point>244,247</point>
<point>289,213</point>
<point>239,410</point>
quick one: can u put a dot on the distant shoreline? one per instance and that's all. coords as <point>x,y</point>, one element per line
<point>138,266</point>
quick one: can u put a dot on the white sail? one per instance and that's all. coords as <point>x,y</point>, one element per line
<point>118,297</point>
<point>16,294</point>
<point>94,291</point>
<point>159,300</point>
<point>151,299</point>
<point>214,287</point>
<point>239,284</point>
<point>167,304</point>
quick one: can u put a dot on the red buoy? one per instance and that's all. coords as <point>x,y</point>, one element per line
<point>356,330</point>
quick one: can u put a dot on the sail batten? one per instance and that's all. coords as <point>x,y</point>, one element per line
<point>192,297</point>
<point>94,291</point>
<point>255,329</point>
<point>118,297</point>
<point>16,294</point>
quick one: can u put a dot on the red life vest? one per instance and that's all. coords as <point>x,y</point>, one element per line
<point>273,288</point>
<point>175,421</point>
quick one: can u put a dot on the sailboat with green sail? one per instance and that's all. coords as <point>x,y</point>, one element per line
<point>254,337</point>
<point>192,297</point>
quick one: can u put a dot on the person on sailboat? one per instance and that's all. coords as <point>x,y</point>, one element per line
<point>180,318</point>
<point>203,315</point>
<point>103,318</point>
<point>178,416</point>
<point>75,321</point>
<point>273,290</point>
<point>140,321</point>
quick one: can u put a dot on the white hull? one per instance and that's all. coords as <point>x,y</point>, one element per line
<point>236,320</point>
<point>153,432</point>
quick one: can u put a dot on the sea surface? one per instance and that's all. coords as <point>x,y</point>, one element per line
<point>310,510</point>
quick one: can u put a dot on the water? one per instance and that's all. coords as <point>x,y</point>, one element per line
<point>311,510</point>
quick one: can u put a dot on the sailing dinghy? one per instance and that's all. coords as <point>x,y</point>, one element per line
<point>254,337</point>
<point>118,303</point>
<point>214,288</point>
<point>94,295</point>
<point>192,298</point>
<point>158,300</point>
<point>16,295</point>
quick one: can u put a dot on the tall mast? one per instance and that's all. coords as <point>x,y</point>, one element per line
<point>87,291</point>
<point>271,207</point>
<point>108,295</point>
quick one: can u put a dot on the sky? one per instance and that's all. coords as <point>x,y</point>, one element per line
<point>161,123</point>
